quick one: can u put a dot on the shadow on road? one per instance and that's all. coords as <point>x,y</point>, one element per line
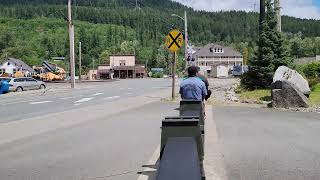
<point>150,171</point>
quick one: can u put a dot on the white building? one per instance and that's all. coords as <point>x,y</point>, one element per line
<point>213,55</point>
<point>11,66</point>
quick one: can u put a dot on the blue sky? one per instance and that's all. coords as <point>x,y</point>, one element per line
<point>309,9</point>
<point>317,2</point>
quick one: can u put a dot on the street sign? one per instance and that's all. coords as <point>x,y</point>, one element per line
<point>174,40</point>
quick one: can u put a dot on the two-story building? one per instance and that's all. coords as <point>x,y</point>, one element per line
<point>124,66</point>
<point>121,67</point>
<point>214,58</point>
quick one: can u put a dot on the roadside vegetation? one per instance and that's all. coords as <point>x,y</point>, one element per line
<point>315,95</point>
<point>253,96</point>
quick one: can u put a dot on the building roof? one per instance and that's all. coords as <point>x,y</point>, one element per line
<point>227,51</point>
<point>20,63</point>
<point>122,55</point>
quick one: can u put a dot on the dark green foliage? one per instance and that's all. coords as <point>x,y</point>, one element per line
<point>311,70</point>
<point>157,75</point>
<point>272,52</point>
<point>256,78</point>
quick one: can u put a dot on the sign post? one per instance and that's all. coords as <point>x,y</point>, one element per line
<point>174,41</point>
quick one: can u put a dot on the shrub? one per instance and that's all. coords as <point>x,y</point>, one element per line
<point>311,70</point>
<point>256,78</point>
<point>157,75</point>
<point>313,82</point>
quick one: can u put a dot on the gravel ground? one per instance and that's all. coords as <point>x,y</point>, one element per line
<point>223,90</point>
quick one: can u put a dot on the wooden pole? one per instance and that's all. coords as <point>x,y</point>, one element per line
<point>71,40</point>
<point>277,8</point>
<point>262,13</point>
<point>174,76</point>
<point>80,59</point>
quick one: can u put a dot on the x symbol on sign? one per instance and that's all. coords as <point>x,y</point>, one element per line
<point>174,40</point>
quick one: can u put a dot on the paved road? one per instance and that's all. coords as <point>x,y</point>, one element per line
<point>59,97</point>
<point>108,131</point>
<point>101,138</point>
<point>269,145</point>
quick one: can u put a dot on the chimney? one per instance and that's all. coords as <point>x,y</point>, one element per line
<point>278,14</point>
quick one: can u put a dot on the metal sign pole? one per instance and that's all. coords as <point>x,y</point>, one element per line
<point>174,76</point>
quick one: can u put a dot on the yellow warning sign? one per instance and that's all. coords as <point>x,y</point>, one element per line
<point>174,40</point>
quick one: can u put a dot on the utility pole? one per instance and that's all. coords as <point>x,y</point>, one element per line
<point>262,13</point>
<point>186,38</point>
<point>80,59</point>
<point>277,8</point>
<point>71,40</point>
<point>174,76</point>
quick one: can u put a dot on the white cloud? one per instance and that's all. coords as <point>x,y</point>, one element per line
<point>296,8</point>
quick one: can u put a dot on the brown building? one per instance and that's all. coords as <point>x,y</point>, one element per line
<point>121,67</point>
<point>124,66</point>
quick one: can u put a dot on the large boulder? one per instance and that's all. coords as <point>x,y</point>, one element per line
<point>284,73</point>
<point>286,95</point>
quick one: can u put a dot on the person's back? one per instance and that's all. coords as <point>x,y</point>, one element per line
<point>193,87</point>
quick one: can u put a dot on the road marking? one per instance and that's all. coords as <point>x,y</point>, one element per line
<point>77,104</point>
<point>41,102</point>
<point>112,97</point>
<point>66,98</point>
<point>152,161</point>
<point>129,93</point>
<point>130,88</point>
<point>97,94</point>
<point>83,100</point>
<point>158,87</point>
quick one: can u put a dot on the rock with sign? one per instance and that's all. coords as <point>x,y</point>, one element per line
<point>284,73</point>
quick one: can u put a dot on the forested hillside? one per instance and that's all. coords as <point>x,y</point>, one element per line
<point>147,26</point>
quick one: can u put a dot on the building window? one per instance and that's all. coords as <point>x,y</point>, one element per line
<point>218,50</point>
<point>122,63</point>
<point>2,71</point>
<point>14,71</point>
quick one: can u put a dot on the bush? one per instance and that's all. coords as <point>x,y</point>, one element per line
<point>311,70</point>
<point>313,82</point>
<point>256,78</point>
<point>157,75</point>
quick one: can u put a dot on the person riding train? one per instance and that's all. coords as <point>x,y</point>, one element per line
<point>195,86</point>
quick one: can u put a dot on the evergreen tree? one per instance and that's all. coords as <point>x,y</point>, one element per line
<point>272,52</point>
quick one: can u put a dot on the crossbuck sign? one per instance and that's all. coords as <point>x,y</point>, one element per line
<point>174,40</point>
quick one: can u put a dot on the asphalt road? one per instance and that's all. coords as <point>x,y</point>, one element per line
<point>269,145</point>
<point>59,97</point>
<point>110,130</point>
<point>75,139</point>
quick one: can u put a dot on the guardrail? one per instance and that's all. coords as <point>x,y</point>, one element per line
<point>182,144</point>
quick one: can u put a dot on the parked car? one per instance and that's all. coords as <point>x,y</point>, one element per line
<point>23,84</point>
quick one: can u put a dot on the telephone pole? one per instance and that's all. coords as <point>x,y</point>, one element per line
<point>262,13</point>
<point>277,8</point>
<point>80,59</point>
<point>71,41</point>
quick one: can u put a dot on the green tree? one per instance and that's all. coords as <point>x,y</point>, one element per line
<point>272,53</point>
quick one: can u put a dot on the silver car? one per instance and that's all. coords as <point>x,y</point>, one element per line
<point>23,84</point>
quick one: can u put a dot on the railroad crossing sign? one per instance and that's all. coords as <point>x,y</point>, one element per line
<point>174,40</point>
